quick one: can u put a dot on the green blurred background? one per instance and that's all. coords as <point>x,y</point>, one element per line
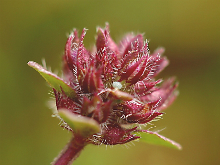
<point>32,30</point>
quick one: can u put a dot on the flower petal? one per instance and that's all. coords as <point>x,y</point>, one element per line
<point>136,42</point>
<point>142,118</point>
<point>115,134</point>
<point>101,40</point>
<point>63,101</point>
<point>53,80</point>
<point>165,95</point>
<point>160,62</point>
<point>157,139</point>
<point>145,87</point>
<point>92,81</point>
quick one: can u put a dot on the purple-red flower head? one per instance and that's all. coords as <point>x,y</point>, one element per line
<point>116,84</point>
<point>113,86</point>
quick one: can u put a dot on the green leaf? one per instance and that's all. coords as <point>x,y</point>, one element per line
<point>53,80</point>
<point>82,125</point>
<point>157,139</point>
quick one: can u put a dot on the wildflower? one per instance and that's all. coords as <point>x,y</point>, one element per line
<point>106,94</point>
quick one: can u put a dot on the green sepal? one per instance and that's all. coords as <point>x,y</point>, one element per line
<point>53,80</point>
<point>157,139</point>
<point>81,125</point>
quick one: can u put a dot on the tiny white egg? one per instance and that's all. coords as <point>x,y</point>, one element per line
<point>117,85</point>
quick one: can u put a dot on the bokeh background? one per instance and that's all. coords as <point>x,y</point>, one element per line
<point>33,30</point>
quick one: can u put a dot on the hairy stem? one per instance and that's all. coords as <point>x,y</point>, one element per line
<point>70,152</point>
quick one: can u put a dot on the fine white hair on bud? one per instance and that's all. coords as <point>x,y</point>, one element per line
<point>117,85</point>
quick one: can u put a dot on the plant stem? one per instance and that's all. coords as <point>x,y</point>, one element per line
<point>70,152</point>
